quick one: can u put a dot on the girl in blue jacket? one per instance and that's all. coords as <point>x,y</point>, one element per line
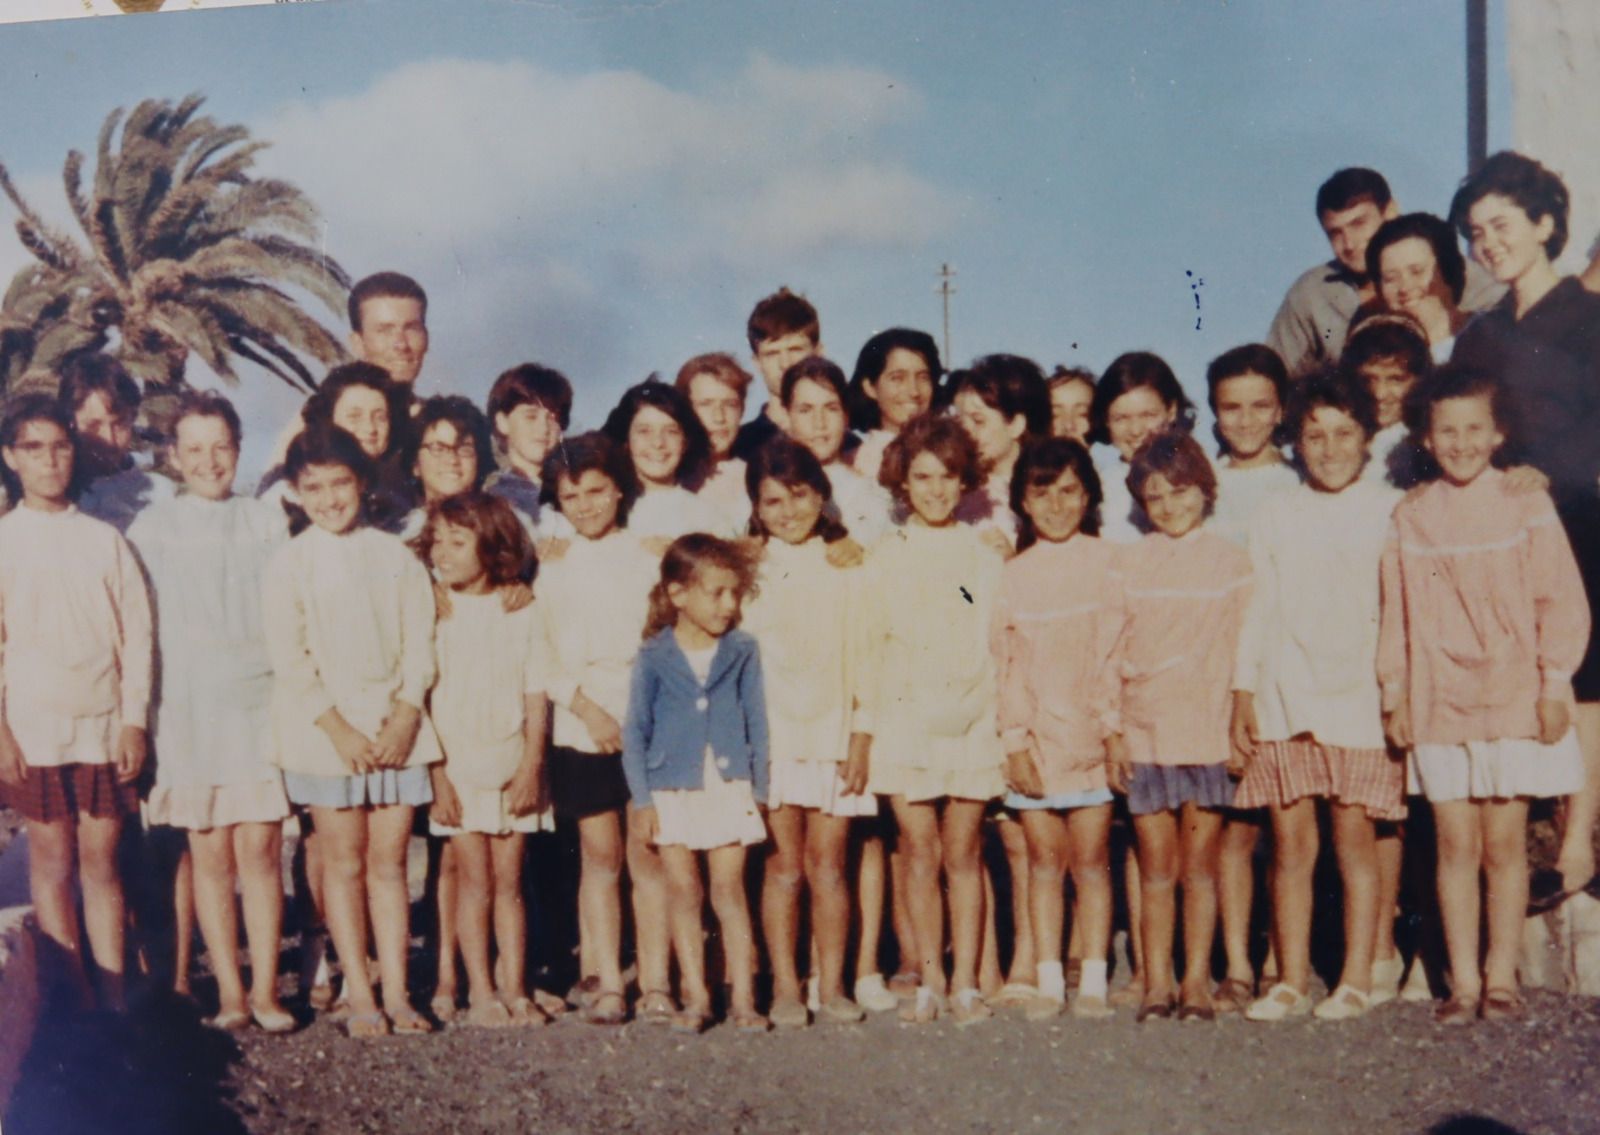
<point>695,756</point>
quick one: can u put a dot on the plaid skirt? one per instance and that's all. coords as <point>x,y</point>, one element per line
<point>1285,771</point>
<point>59,792</point>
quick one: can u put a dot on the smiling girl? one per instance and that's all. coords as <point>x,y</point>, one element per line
<point>349,615</point>
<point>1484,619</point>
<point>1136,397</point>
<point>896,379</point>
<point>671,457</point>
<point>1306,721</point>
<point>927,698</point>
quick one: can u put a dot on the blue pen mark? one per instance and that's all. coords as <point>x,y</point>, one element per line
<point>1195,284</point>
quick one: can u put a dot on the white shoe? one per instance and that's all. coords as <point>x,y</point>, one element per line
<point>1386,975</point>
<point>873,995</point>
<point>1416,989</point>
<point>1345,1004</point>
<point>1281,1002</point>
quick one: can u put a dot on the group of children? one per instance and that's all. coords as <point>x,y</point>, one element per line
<point>1008,602</point>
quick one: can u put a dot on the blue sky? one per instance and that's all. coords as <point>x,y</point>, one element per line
<point>608,187</point>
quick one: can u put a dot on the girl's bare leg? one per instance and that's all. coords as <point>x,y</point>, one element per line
<point>447,918</point>
<point>1294,830</point>
<point>1046,835</point>
<point>1135,892</point>
<point>1356,845</point>
<point>827,838</point>
<point>388,834</point>
<point>1391,854</point>
<point>1200,837</point>
<point>600,896</point>
<point>105,911</point>
<point>183,921</point>
<point>1089,853</point>
<point>1460,832</point>
<point>214,872</point>
<point>960,831</point>
<point>901,916</point>
<point>52,884</point>
<point>342,843</point>
<point>1505,868</point>
<point>1236,873</point>
<point>470,850</point>
<point>1158,869</point>
<point>651,935</point>
<point>872,885</point>
<point>510,916</point>
<point>920,845</point>
<point>726,868</point>
<point>990,979</point>
<point>780,900</point>
<point>1024,967</point>
<point>685,911</point>
<point>313,910</point>
<point>258,856</point>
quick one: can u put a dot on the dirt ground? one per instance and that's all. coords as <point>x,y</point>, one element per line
<point>1394,1071</point>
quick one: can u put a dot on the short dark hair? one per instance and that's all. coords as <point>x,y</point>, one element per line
<point>469,421</point>
<point>1251,358</point>
<point>1178,457</point>
<point>582,453</point>
<point>1387,335</point>
<point>791,465</point>
<point>1337,388</point>
<point>823,372</point>
<point>1456,380</point>
<point>20,411</point>
<point>1131,371</point>
<point>1063,375</point>
<point>530,383</point>
<point>92,372</point>
<point>1042,463</point>
<point>1349,187</point>
<point>383,285</point>
<point>782,313</point>
<point>320,406</point>
<point>207,404</point>
<point>1011,384</point>
<point>929,433</point>
<point>719,365</point>
<point>1426,227</point>
<point>323,443</point>
<point>652,392</point>
<point>1530,186</point>
<point>504,549</point>
<point>874,358</point>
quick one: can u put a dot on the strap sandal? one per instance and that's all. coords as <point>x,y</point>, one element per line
<point>609,1007</point>
<point>1039,1007</point>
<point>655,1007</point>
<point>924,1008</point>
<point>229,1021</point>
<point>1092,1008</point>
<point>788,1014</point>
<point>842,1011</point>
<point>1233,995</point>
<point>365,1026</point>
<point>1190,1011</point>
<point>1160,1010</point>
<point>527,1013</point>
<point>968,1007</point>
<point>490,1014</point>
<point>752,1022</point>
<point>1014,994</point>
<point>1502,1005</point>
<point>1456,1012</point>
<point>1280,1004</point>
<point>406,1021</point>
<point>274,1019</point>
<point>443,1007</point>
<point>690,1021</point>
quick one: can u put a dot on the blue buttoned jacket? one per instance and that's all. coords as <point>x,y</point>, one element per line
<point>672,718</point>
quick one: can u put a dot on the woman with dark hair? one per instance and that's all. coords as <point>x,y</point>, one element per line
<point>1418,270</point>
<point>896,379</point>
<point>1543,342</point>
<point>671,457</point>
<point>1136,397</point>
<point>450,451</point>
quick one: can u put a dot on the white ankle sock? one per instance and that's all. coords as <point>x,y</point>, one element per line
<point>1092,981</point>
<point>1052,981</point>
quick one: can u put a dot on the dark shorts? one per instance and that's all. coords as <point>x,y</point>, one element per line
<point>585,784</point>
<point>60,792</point>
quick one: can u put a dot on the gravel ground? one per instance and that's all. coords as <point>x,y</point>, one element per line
<point>1394,1071</point>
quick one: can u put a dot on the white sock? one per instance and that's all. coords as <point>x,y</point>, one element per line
<point>1092,982</point>
<point>1052,981</point>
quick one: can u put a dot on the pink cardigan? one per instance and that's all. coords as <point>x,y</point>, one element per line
<point>1186,604</point>
<point>1056,637</point>
<point>1483,611</point>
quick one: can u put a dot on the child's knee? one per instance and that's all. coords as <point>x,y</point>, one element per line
<point>1047,859</point>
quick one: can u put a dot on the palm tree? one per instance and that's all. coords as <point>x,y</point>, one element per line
<point>184,250</point>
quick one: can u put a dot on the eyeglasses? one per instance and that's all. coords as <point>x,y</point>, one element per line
<point>439,450</point>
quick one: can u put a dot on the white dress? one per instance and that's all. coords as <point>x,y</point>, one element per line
<point>212,736</point>
<point>718,814</point>
<point>1241,491</point>
<point>927,689</point>
<point>673,512</point>
<point>804,616</point>
<point>863,506</point>
<point>489,659</point>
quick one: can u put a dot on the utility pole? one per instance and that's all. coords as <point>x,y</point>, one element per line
<point>1477,83</point>
<point>945,290</point>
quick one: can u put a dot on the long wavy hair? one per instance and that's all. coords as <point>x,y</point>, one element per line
<point>686,558</point>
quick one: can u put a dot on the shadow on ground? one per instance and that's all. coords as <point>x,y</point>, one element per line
<point>156,1072</point>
